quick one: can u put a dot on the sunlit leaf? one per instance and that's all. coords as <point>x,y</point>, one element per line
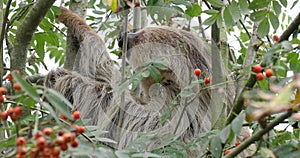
<point>274,21</point>
<point>263,28</point>
<point>283,2</point>
<point>216,3</point>
<point>211,20</point>
<point>257,4</point>
<point>193,11</point>
<point>243,4</point>
<point>228,17</point>
<point>276,7</point>
<point>154,73</point>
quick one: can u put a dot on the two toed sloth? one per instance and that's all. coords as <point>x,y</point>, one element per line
<point>93,89</point>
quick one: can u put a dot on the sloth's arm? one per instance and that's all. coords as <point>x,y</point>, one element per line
<point>92,58</point>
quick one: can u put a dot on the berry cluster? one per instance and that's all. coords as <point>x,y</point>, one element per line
<point>198,72</point>
<point>13,113</point>
<point>258,70</point>
<point>50,144</point>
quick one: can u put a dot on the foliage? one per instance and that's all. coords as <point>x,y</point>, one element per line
<point>266,102</point>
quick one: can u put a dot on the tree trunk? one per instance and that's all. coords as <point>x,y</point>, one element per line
<point>25,33</point>
<point>218,107</point>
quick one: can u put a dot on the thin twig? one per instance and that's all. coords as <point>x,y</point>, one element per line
<point>124,52</point>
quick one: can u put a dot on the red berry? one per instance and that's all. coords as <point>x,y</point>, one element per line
<point>64,117</point>
<point>257,68</point>
<point>14,117</point>
<point>21,141</point>
<point>47,152</point>
<point>17,86</point>
<point>197,72</point>
<point>276,38</point>
<point>2,98</point>
<point>80,129</point>
<point>269,72</point>
<point>3,116</point>
<point>18,110</point>
<point>237,143</point>
<point>206,80</point>
<point>34,153</point>
<point>41,142</point>
<point>59,140</point>
<point>55,152</point>
<point>227,152</point>
<point>10,111</point>
<point>38,134</point>
<point>63,147</point>
<point>68,137</point>
<point>76,115</point>
<point>60,133</point>
<point>74,143</point>
<point>21,150</point>
<point>48,131</point>
<point>2,90</point>
<point>9,77</point>
<point>259,76</point>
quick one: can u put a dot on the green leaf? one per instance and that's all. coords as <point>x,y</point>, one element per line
<point>276,7</point>
<point>106,140</point>
<point>257,4</point>
<point>294,64</point>
<point>216,146</point>
<point>58,104</point>
<point>283,2</point>
<point>51,110</point>
<point>244,6</point>
<point>26,86</point>
<point>154,73</point>
<point>185,93</point>
<point>224,134</point>
<point>194,11</point>
<point>146,73</point>
<point>234,10</point>
<point>216,3</point>
<point>211,12</point>
<point>146,154</point>
<point>263,28</point>
<point>211,20</point>
<point>165,116</point>
<point>228,18</point>
<point>237,123</point>
<point>160,65</point>
<point>123,86</point>
<point>274,21</point>
<point>182,2</point>
<point>259,15</point>
<point>40,45</point>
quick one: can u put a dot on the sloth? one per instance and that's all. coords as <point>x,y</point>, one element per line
<point>93,88</point>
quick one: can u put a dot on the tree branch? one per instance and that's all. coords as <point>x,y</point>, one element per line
<point>258,135</point>
<point>25,33</point>
<point>290,29</point>
<point>3,31</point>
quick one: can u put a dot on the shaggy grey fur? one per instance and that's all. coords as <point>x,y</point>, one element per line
<point>93,89</point>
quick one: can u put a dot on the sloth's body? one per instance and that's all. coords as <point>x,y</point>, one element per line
<point>93,89</point>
